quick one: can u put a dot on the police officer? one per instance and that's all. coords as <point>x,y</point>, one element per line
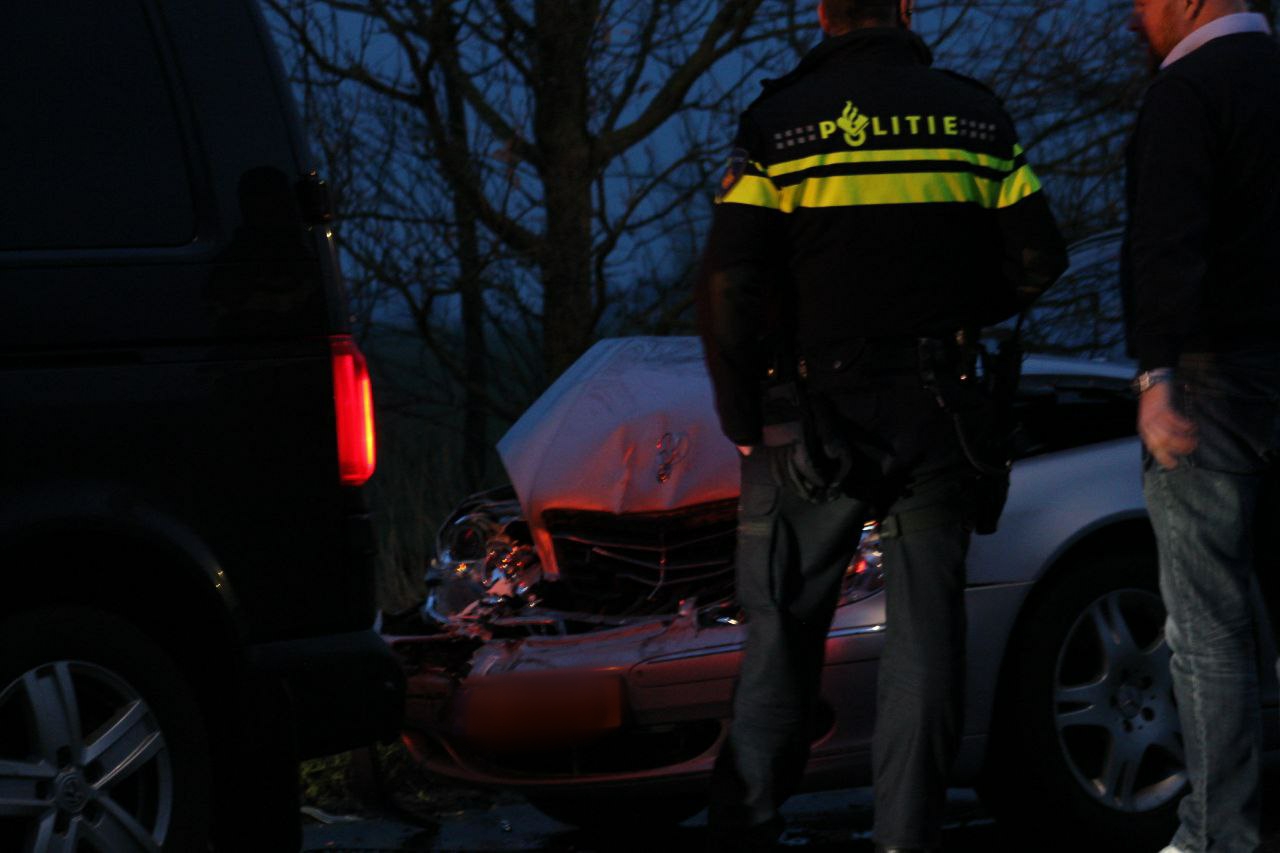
<point>873,207</point>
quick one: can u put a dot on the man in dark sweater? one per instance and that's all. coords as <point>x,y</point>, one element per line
<point>1202,261</point>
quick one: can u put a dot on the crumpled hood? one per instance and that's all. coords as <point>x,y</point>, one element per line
<point>630,427</point>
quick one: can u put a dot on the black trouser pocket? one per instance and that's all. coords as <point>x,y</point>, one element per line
<point>757,520</point>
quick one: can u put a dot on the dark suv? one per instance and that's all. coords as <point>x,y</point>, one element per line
<point>185,429</point>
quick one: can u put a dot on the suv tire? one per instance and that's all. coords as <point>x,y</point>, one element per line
<point>100,738</point>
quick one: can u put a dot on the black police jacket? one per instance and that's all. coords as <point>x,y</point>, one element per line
<point>868,196</point>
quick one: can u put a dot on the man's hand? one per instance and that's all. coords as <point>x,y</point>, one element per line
<point>1165,432</point>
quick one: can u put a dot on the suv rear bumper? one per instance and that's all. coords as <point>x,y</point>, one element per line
<point>347,690</point>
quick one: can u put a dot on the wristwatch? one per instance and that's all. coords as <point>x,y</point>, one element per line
<point>1145,380</point>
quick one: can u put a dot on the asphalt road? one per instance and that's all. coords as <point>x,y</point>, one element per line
<point>827,822</point>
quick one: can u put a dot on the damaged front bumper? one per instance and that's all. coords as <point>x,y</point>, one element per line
<point>638,704</point>
<point>614,663</point>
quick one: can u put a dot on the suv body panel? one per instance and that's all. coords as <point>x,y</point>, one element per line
<point>180,397</point>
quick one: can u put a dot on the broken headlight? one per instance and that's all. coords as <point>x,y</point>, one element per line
<point>864,576</point>
<point>481,564</point>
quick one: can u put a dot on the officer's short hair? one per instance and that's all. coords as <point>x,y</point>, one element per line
<point>847,14</point>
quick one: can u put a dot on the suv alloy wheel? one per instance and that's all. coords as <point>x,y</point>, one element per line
<point>101,744</point>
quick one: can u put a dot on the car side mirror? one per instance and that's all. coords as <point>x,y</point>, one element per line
<point>314,199</point>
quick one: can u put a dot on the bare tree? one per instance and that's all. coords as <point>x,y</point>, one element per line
<point>508,170</point>
<point>540,167</point>
<point>535,145</point>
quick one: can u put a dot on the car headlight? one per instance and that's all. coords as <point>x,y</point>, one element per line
<point>479,563</point>
<point>864,576</point>
<point>465,539</point>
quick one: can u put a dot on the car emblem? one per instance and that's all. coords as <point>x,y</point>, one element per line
<point>72,793</point>
<point>673,448</point>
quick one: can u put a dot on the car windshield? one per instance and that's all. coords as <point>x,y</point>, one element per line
<point>1082,315</point>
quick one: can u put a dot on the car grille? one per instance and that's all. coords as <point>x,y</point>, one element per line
<point>645,563</point>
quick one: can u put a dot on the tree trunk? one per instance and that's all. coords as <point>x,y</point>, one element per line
<point>563,38</point>
<point>475,351</point>
<point>470,286</point>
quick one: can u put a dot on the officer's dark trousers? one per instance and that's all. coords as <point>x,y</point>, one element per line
<point>791,558</point>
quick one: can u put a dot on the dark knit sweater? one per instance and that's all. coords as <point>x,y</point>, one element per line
<point>1202,246</point>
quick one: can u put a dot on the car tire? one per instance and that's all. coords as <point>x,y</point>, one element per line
<point>102,745</point>
<point>1086,750</point>
<point>626,813</point>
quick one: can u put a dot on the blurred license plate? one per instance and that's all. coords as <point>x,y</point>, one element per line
<point>519,708</point>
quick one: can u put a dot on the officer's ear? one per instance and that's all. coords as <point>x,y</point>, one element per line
<point>906,8</point>
<point>824,22</point>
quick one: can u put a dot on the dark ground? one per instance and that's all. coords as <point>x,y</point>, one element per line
<point>828,822</point>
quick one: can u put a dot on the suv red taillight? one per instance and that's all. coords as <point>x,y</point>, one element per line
<point>353,399</point>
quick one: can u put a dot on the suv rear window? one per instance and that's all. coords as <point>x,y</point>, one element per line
<point>93,152</point>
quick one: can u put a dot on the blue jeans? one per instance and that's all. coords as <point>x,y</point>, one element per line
<point>1208,513</point>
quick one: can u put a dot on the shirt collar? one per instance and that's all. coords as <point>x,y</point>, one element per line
<point>1227,25</point>
<point>884,44</point>
<point>891,45</point>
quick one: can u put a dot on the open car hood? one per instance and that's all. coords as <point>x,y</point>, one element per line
<point>630,427</point>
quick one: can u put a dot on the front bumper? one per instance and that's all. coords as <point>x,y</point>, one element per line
<point>662,731</point>
<point>346,690</point>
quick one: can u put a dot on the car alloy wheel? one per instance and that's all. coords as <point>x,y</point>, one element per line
<point>1114,706</point>
<point>97,769</point>
<point>103,747</point>
<point>1085,748</point>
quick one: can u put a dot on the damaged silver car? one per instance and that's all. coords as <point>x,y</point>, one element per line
<point>581,637</point>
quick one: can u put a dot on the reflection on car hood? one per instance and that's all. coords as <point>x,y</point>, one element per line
<point>630,427</point>
<point>1062,365</point>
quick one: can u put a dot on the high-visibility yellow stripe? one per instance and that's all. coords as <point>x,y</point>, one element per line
<point>753,190</point>
<point>902,188</point>
<point>878,189</point>
<point>905,155</point>
<point>1018,186</point>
